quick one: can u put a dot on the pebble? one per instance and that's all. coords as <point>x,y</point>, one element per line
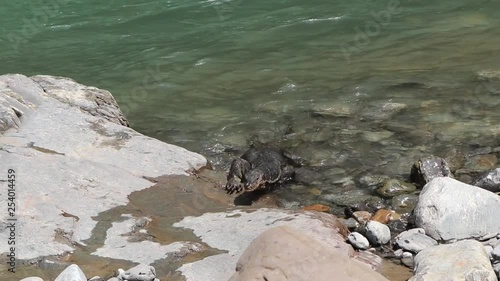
<point>317,207</point>
<point>398,253</point>
<point>351,224</point>
<point>358,241</point>
<point>385,216</point>
<point>31,279</point>
<point>377,233</point>
<point>414,240</point>
<point>362,216</point>
<point>407,259</point>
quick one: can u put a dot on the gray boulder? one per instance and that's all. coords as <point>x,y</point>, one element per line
<point>377,233</point>
<point>414,241</point>
<point>358,241</point>
<point>448,209</point>
<point>427,168</point>
<point>489,180</point>
<point>284,253</point>
<point>464,260</point>
<point>71,273</point>
<point>74,157</point>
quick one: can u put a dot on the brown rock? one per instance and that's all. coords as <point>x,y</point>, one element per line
<point>362,216</point>
<point>317,207</point>
<point>286,254</point>
<point>385,216</point>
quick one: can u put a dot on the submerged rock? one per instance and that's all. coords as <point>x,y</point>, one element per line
<point>404,203</point>
<point>448,209</point>
<point>481,162</point>
<point>489,180</point>
<point>464,260</point>
<point>285,253</point>
<point>391,188</point>
<point>425,169</point>
<point>385,216</point>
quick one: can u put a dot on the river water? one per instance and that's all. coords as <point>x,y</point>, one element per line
<point>353,87</point>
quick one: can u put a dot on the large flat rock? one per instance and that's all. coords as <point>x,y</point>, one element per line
<point>448,209</point>
<point>73,157</point>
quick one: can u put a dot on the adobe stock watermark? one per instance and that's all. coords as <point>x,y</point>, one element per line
<point>31,26</point>
<point>225,8</point>
<point>140,93</point>
<point>371,29</point>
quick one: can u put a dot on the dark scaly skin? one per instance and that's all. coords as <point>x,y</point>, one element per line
<point>257,168</point>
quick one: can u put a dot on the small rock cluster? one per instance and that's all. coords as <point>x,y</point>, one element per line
<point>456,231</point>
<point>73,272</point>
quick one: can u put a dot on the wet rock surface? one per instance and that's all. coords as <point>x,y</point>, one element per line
<point>391,188</point>
<point>489,180</point>
<point>72,140</point>
<point>427,168</point>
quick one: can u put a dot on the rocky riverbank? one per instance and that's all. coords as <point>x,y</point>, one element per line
<point>92,192</point>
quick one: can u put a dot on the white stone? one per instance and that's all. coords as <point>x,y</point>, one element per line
<point>72,273</point>
<point>377,233</point>
<point>358,241</point>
